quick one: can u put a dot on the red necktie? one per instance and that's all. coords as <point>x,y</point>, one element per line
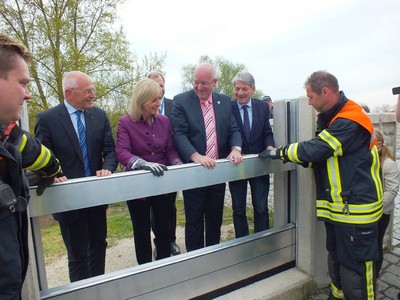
<point>211,135</point>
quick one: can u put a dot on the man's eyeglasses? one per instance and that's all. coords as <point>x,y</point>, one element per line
<point>86,92</point>
<point>205,83</point>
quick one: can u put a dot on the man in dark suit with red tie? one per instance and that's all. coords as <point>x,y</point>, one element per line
<point>204,130</point>
<point>84,231</point>
<point>252,116</point>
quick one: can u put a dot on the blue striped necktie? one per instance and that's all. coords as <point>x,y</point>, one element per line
<point>82,141</point>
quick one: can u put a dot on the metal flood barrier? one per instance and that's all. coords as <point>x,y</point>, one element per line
<point>191,274</point>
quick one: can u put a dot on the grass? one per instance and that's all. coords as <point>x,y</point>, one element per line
<point>119,226</point>
<point>52,242</point>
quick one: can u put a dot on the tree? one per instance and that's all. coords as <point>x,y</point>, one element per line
<point>226,71</point>
<point>66,35</point>
<point>385,108</point>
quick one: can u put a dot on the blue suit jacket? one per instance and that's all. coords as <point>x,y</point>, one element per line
<point>55,130</point>
<point>189,129</point>
<point>167,107</point>
<point>261,134</point>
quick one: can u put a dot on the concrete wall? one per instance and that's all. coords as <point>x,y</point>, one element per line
<point>386,122</point>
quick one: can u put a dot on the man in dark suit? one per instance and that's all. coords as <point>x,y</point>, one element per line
<point>252,116</point>
<point>166,109</point>
<point>204,130</point>
<point>268,100</point>
<point>84,231</point>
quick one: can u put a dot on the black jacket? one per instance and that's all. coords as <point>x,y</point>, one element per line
<point>346,166</point>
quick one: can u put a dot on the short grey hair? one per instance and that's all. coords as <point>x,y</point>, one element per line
<point>246,78</point>
<point>153,74</point>
<point>210,67</point>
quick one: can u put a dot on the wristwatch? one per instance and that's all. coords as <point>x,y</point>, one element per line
<point>237,148</point>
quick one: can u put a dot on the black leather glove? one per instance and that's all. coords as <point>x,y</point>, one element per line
<point>40,180</point>
<point>155,168</point>
<point>32,177</point>
<point>43,183</point>
<point>272,153</point>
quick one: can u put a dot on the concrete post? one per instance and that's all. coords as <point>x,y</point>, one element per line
<point>311,252</point>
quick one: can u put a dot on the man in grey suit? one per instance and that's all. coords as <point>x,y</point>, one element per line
<point>204,130</point>
<point>84,231</point>
<point>252,116</point>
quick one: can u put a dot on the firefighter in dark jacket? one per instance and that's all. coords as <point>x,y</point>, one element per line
<point>346,166</point>
<point>18,151</point>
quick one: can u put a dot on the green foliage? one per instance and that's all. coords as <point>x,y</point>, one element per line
<point>226,71</point>
<point>66,35</point>
<point>118,106</point>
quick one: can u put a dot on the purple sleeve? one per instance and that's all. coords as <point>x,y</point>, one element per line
<point>123,144</point>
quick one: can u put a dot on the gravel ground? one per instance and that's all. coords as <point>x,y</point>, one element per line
<point>120,256</point>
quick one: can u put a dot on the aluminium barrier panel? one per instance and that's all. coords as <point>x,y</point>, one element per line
<point>190,274</point>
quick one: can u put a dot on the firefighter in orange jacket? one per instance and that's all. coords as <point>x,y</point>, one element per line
<point>346,166</point>
<point>18,151</point>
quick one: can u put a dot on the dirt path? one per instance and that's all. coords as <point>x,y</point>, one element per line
<point>118,257</point>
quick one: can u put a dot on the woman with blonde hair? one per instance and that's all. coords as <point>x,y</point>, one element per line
<point>391,177</point>
<point>144,141</point>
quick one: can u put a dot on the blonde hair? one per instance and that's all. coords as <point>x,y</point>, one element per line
<point>386,151</point>
<point>145,91</point>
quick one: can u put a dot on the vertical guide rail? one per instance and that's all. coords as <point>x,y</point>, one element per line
<point>293,136</point>
<point>31,285</point>
<point>282,128</point>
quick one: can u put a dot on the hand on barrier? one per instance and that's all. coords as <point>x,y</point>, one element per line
<point>155,168</point>
<point>271,153</point>
<point>41,181</point>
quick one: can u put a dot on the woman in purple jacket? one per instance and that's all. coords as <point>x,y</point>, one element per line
<point>144,141</point>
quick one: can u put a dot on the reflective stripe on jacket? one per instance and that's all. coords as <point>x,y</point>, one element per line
<point>346,168</point>
<point>19,150</point>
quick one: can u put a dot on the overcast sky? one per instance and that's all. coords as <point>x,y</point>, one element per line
<point>280,42</point>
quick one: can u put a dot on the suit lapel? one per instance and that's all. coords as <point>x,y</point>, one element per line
<point>253,110</point>
<point>218,112</point>
<point>236,114</point>
<point>195,105</point>
<point>239,121</point>
<point>258,115</point>
<point>167,107</point>
<point>90,126</point>
<point>70,130</point>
